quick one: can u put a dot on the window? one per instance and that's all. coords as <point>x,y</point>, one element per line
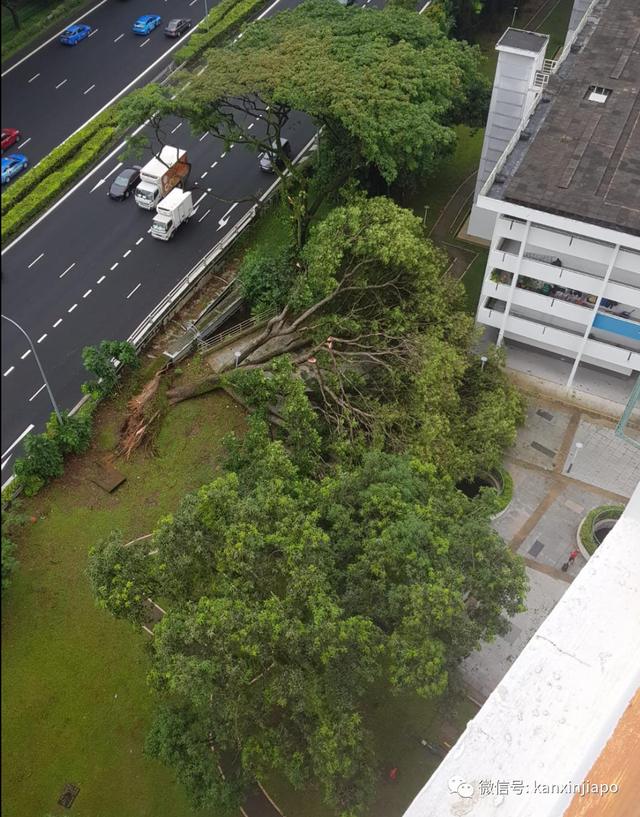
<point>598,94</point>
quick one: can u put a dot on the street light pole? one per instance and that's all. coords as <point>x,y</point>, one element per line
<point>515,11</point>
<point>44,377</point>
<point>573,459</point>
<point>424,220</point>
<point>206,14</point>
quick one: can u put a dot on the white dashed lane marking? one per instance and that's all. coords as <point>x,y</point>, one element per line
<point>36,77</point>
<point>37,393</point>
<point>179,125</point>
<point>60,84</point>
<point>213,165</point>
<point>114,266</point>
<point>139,241</point>
<point>89,89</point>
<point>72,308</point>
<point>204,216</point>
<point>9,371</point>
<point>128,252</point>
<point>42,338</point>
<point>100,280</point>
<point>57,323</point>
<point>146,42</point>
<point>68,269</point>
<point>87,293</point>
<point>133,290</point>
<point>118,38</point>
<point>36,261</point>
<point>26,354</point>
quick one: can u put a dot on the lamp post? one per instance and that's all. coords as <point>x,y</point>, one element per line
<point>483,360</point>
<point>206,14</point>
<point>573,459</point>
<point>44,377</point>
<point>515,11</point>
<point>237,357</point>
<point>424,220</point>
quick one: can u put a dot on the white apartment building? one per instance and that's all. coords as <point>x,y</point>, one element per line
<point>558,192</point>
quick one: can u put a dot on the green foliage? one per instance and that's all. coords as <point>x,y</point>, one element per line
<point>266,278</point>
<point>506,494</point>
<point>587,538</point>
<point>33,21</point>
<point>287,598</point>
<point>99,361</point>
<point>74,435</point>
<point>122,578</point>
<point>9,563</point>
<point>224,19</point>
<point>34,191</point>
<point>42,464</point>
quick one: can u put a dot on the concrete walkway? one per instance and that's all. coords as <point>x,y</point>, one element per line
<point>555,486</point>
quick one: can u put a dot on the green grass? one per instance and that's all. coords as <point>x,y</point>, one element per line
<point>34,19</point>
<point>75,702</point>
<point>398,725</point>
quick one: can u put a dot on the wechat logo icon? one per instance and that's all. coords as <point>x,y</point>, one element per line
<point>459,786</point>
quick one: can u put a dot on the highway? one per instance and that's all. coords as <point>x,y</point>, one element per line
<point>90,271</point>
<point>53,90</point>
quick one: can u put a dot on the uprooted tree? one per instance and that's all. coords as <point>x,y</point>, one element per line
<point>386,89</point>
<point>288,598</point>
<point>383,344</point>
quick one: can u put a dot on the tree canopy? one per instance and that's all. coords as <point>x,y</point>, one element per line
<point>287,597</point>
<point>386,89</point>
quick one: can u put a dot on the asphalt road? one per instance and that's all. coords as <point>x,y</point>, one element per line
<point>90,271</point>
<point>56,90</point>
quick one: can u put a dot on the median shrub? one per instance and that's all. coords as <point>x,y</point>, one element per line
<point>223,19</point>
<point>51,185</point>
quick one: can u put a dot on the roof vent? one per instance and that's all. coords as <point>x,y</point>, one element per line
<point>575,47</point>
<point>500,178</point>
<point>595,93</point>
<point>525,136</point>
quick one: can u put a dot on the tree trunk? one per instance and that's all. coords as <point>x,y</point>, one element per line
<point>206,384</point>
<point>14,14</point>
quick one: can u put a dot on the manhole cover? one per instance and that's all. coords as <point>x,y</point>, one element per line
<point>69,794</point>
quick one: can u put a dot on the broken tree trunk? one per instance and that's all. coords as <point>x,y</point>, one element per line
<point>138,419</point>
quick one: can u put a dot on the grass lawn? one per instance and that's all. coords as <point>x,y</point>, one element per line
<point>75,702</point>
<point>398,725</point>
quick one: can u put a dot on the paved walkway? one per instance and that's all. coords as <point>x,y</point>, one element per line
<point>555,486</point>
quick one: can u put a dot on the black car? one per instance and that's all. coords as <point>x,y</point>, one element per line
<point>176,28</point>
<point>125,184</point>
<point>265,158</point>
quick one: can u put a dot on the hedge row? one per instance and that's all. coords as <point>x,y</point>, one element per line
<point>57,158</point>
<point>223,19</point>
<point>51,185</point>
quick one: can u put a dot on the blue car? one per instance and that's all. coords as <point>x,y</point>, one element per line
<point>12,165</point>
<point>145,24</point>
<point>74,34</point>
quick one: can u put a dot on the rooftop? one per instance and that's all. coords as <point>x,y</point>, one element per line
<point>582,156</point>
<point>523,40</point>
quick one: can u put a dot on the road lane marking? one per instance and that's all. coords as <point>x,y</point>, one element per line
<point>204,216</point>
<point>200,199</point>
<point>20,438</point>
<point>100,280</point>
<point>6,462</point>
<point>26,142</point>
<point>72,308</point>
<point>251,125</point>
<point>203,136</point>
<point>9,372</point>
<point>60,84</point>
<point>118,38</point>
<point>26,354</point>
<point>266,11</point>
<point>222,155</point>
<point>179,125</point>
<point>95,31</point>
<point>36,261</point>
<point>37,393</point>
<point>192,2</point>
<point>68,269</point>
<point>89,89</point>
<point>88,292</point>
<point>139,241</point>
<point>213,165</point>
<point>133,290</point>
<point>32,78</point>
<point>57,323</point>
<point>128,252</point>
<point>204,174</point>
<point>102,181</point>
<point>114,266</point>
<point>42,338</point>
<point>146,42</point>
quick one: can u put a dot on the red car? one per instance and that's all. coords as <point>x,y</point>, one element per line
<point>9,137</point>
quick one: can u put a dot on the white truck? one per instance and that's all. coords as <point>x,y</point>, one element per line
<point>160,175</point>
<point>171,212</point>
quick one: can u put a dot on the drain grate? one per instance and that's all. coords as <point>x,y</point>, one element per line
<point>544,414</point>
<point>536,548</point>
<point>69,794</point>
<point>543,449</point>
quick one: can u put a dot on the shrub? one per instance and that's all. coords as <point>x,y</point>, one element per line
<point>30,204</point>
<point>223,18</point>
<point>506,494</point>
<point>75,433</point>
<point>587,538</point>
<point>99,360</point>
<point>266,278</point>
<point>42,463</point>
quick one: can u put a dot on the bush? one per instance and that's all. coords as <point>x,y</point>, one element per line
<point>223,18</point>
<point>28,205</point>
<point>505,496</point>
<point>266,278</point>
<point>99,360</point>
<point>42,463</point>
<point>75,433</point>
<point>586,528</point>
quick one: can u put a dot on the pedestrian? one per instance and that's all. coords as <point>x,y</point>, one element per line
<point>393,773</point>
<point>572,558</point>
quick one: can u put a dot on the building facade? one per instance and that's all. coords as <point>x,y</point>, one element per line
<point>561,202</point>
